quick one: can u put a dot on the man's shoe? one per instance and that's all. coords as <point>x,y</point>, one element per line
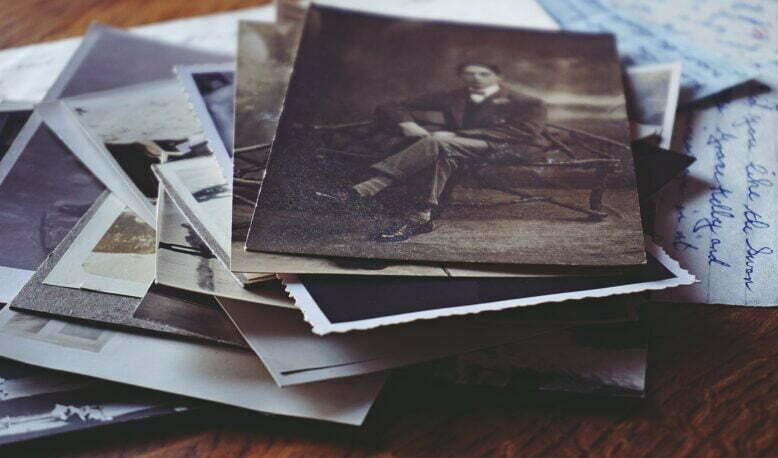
<point>404,231</point>
<point>345,198</point>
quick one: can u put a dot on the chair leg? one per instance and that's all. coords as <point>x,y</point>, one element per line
<point>595,198</point>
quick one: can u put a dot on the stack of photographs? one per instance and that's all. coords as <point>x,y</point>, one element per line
<point>356,190</point>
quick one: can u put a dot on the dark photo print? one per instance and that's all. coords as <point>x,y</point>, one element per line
<point>432,141</point>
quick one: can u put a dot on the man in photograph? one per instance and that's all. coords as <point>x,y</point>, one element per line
<point>484,122</point>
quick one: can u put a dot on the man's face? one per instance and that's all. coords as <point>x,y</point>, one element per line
<point>478,77</point>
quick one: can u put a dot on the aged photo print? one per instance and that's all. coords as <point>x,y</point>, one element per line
<point>118,134</point>
<point>35,222</point>
<point>652,98</point>
<point>346,303</point>
<point>184,261</point>
<point>434,141</point>
<point>210,89</point>
<point>113,253</point>
<point>265,56</point>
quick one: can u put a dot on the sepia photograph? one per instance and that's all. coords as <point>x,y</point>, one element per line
<point>434,141</point>
<point>251,74</point>
<point>113,253</point>
<point>264,65</point>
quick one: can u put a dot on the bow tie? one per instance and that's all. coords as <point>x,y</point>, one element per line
<point>478,96</point>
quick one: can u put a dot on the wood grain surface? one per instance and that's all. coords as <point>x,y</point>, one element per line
<point>712,382</point>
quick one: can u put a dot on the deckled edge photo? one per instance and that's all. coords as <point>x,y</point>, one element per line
<point>322,325</point>
<point>186,77</point>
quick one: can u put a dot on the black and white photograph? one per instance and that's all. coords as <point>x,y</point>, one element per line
<point>120,133</point>
<point>37,403</point>
<point>433,141</point>
<point>251,73</point>
<point>652,93</point>
<point>347,303</point>
<point>203,195</point>
<point>184,261</point>
<point>35,222</point>
<point>211,91</point>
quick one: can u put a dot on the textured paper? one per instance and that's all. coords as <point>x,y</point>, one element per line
<point>209,372</point>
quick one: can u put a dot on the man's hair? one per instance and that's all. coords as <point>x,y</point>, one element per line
<point>493,67</point>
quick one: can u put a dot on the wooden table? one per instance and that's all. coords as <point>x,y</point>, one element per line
<point>712,383</point>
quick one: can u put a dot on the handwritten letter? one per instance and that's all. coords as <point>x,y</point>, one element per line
<point>704,72</point>
<point>720,219</point>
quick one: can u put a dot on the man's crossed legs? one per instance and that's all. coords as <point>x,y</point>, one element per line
<point>439,156</point>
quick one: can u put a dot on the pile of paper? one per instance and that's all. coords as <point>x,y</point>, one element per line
<point>276,215</point>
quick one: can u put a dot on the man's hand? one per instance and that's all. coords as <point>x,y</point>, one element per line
<point>411,129</point>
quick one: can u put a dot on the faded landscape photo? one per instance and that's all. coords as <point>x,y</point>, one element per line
<point>114,253</point>
<point>433,141</point>
<point>129,240</point>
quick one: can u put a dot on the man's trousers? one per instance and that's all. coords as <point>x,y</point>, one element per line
<point>434,159</point>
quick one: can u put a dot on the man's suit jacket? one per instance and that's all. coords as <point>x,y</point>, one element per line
<point>506,117</point>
